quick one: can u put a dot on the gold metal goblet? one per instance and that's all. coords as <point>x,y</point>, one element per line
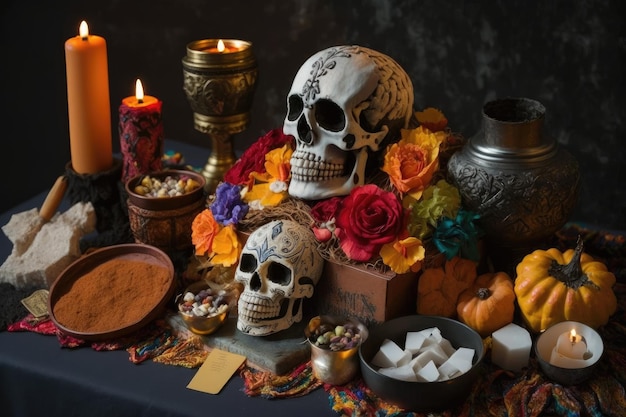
<point>219,81</point>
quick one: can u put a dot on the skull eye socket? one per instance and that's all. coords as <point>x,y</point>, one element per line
<point>247,263</point>
<point>279,273</point>
<point>329,116</point>
<point>295,107</point>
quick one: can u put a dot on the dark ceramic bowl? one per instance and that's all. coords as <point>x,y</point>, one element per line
<point>568,375</point>
<point>145,254</point>
<point>421,396</point>
<point>165,203</point>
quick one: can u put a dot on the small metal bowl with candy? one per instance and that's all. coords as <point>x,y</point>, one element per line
<point>334,345</point>
<point>204,306</point>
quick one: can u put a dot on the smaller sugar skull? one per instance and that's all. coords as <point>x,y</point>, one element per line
<point>279,267</point>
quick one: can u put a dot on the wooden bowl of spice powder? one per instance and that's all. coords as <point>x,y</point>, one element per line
<point>112,292</point>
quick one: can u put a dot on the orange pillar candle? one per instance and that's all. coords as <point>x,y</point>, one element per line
<point>141,134</point>
<point>88,103</point>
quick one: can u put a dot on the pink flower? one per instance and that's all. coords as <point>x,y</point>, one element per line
<point>368,218</point>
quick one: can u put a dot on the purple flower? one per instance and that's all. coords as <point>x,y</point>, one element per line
<point>228,208</point>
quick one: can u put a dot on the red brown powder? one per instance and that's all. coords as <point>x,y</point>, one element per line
<point>113,295</point>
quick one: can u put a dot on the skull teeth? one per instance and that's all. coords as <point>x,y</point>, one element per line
<point>306,166</point>
<point>252,307</point>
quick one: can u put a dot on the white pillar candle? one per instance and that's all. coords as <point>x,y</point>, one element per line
<point>570,351</point>
<point>511,347</point>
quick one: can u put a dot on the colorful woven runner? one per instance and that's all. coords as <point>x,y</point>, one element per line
<point>498,393</point>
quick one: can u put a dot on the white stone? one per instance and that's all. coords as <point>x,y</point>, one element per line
<point>414,342</point>
<point>439,355</point>
<point>511,347</point>
<point>462,359</point>
<point>447,347</point>
<point>404,373</point>
<point>42,250</point>
<point>430,355</point>
<point>429,372</point>
<point>448,371</point>
<point>389,354</point>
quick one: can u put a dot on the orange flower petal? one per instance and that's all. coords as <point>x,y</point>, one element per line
<point>203,231</point>
<point>226,247</point>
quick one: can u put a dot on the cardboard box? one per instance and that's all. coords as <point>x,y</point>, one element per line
<point>366,294</point>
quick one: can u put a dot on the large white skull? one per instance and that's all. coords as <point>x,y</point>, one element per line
<point>279,267</point>
<point>345,103</point>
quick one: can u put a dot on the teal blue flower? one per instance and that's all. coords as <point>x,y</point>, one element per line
<point>459,236</point>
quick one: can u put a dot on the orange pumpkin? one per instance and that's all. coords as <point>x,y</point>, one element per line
<point>438,289</point>
<point>488,304</point>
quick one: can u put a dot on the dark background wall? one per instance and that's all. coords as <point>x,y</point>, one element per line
<point>569,55</point>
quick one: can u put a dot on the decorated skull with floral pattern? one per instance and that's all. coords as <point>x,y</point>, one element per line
<point>279,267</point>
<point>345,105</point>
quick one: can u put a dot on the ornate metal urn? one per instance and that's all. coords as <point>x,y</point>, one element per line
<point>520,181</point>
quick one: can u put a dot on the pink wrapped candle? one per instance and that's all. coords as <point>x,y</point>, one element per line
<point>141,134</point>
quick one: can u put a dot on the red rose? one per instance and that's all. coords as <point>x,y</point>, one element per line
<point>253,158</point>
<point>324,213</point>
<point>368,218</point>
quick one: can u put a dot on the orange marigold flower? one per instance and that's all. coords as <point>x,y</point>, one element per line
<point>432,119</point>
<point>403,255</point>
<point>226,247</point>
<point>412,161</point>
<point>203,230</point>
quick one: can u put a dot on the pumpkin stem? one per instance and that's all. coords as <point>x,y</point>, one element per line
<point>571,274</point>
<point>483,293</point>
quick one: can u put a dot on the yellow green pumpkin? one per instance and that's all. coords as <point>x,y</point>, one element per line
<point>553,286</point>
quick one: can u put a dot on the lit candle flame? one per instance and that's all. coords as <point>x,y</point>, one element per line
<point>572,336</point>
<point>220,46</point>
<point>83,30</point>
<point>139,91</point>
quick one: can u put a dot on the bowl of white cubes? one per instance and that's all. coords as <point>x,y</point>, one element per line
<point>421,363</point>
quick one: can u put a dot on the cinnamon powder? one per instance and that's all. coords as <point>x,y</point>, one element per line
<point>113,295</point>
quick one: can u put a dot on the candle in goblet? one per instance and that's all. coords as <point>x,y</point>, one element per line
<point>141,134</point>
<point>88,102</point>
<point>223,48</point>
<point>219,85</point>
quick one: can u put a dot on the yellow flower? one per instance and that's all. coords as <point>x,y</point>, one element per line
<point>431,118</point>
<point>412,161</point>
<point>270,188</point>
<point>277,163</point>
<point>203,231</point>
<point>226,247</point>
<point>403,255</point>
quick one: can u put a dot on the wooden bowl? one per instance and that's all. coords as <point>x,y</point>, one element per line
<point>166,203</point>
<point>165,222</point>
<point>145,255</point>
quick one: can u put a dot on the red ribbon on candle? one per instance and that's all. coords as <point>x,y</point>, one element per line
<point>141,134</point>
